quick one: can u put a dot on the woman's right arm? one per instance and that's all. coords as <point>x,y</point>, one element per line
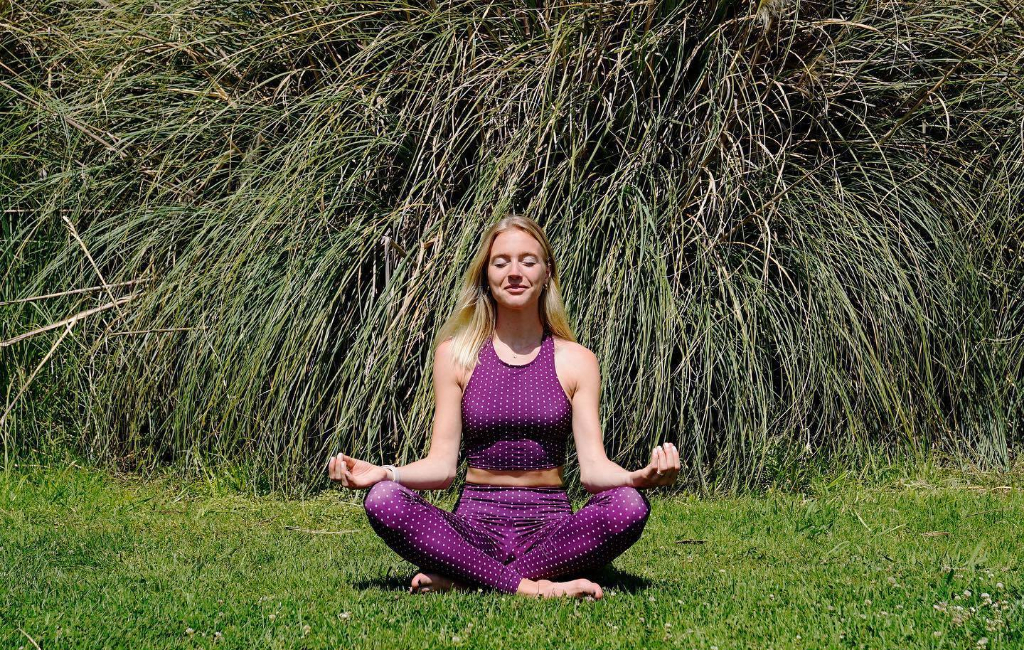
<point>437,470</point>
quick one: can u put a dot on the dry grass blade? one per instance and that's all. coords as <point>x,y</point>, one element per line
<point>780,268</point>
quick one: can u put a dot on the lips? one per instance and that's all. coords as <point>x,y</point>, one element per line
<point>515,289</point>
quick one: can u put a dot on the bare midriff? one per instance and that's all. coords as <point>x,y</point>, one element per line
<point>550,477</point>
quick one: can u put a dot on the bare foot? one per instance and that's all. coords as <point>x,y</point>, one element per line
<point>580,588</point>
<point>425,583</point>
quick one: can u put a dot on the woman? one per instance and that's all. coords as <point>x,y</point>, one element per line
<point>511,380</point>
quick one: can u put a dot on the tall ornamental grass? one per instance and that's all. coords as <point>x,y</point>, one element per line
<point>790,231</point>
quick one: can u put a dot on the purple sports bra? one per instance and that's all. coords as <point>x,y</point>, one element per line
<point>515,416</point>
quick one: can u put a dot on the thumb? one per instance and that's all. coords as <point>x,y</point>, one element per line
<point>654,458</point>
<point>652,467</point>
<point>648,470</point>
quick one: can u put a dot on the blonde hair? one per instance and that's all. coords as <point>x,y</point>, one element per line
<point>475,313</point>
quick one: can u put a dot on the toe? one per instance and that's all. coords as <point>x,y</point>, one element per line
<point>419,582</point>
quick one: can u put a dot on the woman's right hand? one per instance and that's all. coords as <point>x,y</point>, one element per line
<point>355,474</point>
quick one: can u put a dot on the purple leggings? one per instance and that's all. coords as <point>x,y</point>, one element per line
<point>498,535</point>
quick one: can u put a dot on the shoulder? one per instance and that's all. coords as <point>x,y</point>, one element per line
<point>444,359</point>
<point>578,358</point>
<point>445,366</point>
<point>573,350</point>
<point>443,349</point>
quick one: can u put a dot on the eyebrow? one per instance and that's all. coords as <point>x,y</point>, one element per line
<point>520,255</point>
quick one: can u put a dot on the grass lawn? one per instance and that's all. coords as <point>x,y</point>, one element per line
<point>91,560</point>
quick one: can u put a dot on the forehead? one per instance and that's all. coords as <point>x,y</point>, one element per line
<point>515,242</point>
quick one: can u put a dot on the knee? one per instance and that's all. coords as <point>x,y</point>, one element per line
<point>626,510</point>
<point>383,502</point>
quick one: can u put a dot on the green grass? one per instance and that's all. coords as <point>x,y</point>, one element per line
<point>89,559</point>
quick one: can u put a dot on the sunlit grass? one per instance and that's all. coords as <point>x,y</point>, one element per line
<point>923,560</point>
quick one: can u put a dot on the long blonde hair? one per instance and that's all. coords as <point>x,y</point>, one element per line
<point>475,313</point>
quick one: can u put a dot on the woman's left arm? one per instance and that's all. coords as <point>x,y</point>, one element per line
<point>597,471</point>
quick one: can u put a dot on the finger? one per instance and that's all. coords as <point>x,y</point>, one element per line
<point>674,451</point>
<point>668,475</point>
<point>663,462</point>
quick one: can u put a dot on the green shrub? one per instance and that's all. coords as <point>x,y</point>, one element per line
<point>791,232</point>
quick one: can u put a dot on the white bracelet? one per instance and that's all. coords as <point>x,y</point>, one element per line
<point>394,472</point>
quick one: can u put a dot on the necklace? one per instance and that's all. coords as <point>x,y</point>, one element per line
<point>516,356</point>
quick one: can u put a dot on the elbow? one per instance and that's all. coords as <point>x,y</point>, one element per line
<point>449,478</point>
<point>442,472</point>
<point>585,482</point>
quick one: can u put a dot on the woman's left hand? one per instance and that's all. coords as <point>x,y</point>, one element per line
<point>662,470</point>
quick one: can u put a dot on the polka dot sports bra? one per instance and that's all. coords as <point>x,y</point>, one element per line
<point>515,416</point>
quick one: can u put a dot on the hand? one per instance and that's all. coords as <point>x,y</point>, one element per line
<point>662,470</point>
<point>355,474</point>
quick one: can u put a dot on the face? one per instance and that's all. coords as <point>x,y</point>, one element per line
<point>516,270</point>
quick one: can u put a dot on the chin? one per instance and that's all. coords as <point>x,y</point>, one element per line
<point>519,302</point>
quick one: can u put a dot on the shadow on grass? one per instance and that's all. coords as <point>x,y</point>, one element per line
<point>608,577</point>
<point>611,578</point>
<point>392,583</point>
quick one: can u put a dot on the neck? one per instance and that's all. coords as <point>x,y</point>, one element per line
<point>519,329</point>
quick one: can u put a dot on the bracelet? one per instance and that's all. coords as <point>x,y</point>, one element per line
<point>394,472</point>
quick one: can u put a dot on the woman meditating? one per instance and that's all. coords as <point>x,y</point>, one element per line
<point>511,384</point>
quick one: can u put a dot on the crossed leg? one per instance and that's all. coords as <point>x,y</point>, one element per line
<point>609,523</point>
<point>443,543</point>
<point>434,539</point>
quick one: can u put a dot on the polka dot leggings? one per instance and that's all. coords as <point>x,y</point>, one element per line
<point>497,535</point>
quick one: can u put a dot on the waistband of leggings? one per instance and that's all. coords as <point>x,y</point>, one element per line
<point>480,487</point>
